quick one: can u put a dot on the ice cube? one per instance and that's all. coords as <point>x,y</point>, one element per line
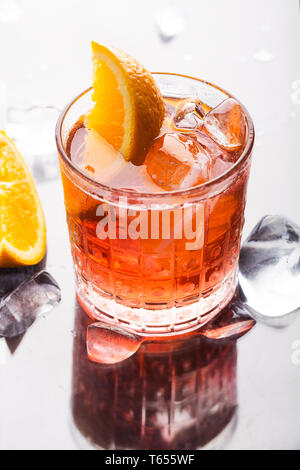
<point>178,161</point>
<point>270,267</point>
<point>226,124</point>
<point>233,323</point>
<point>108,344</point>
<point>78,145</point>
<point>32,130</point>
<point>186,117</point>
<point>221,160</point>
<point>95,156</point>
<point>11,278</point>
<point>170,22</point>
<point>26,303</point>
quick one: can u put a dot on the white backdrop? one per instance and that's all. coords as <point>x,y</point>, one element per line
<point>251,48</point>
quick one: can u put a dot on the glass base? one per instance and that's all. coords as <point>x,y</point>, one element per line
<point>164,321</point>
<point>217,443</point>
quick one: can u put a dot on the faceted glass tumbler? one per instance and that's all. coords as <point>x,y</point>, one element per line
<point>155,284</point>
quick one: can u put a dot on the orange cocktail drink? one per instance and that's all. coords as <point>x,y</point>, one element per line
<point>155,236</point>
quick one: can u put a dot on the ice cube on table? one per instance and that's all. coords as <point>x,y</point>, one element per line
<point>26,303</point>
<point>108,344</point>
<point>178,161</point>
<point>270,267</point>
<point>187,117</point>
<point>226,124</point>
<point>11,278</point>
<point>32,130</point>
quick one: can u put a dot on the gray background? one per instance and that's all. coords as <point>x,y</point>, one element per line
<point>45,60</point>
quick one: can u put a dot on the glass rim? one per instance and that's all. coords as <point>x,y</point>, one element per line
<point>159,196</point>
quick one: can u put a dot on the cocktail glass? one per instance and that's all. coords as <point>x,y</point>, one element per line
<point>170,279</point>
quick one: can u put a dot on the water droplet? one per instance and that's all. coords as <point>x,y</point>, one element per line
<point>170,22</point>
<point>263,55</point>
<point>295,94</point>
<point>10,11</point>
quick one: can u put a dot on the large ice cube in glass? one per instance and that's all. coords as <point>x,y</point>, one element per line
<point>226,124</point>
<point>187,117</point>
<point>178,161</point>
<point>221,159</point>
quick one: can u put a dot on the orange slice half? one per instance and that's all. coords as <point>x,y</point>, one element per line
<point>22,223</point>
<point>129,109</point>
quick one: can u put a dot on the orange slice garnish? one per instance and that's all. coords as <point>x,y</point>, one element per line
<point>129,109</point>
<point>22,223</point>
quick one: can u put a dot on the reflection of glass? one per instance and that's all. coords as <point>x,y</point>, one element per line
<point>155,284</point>
<point>170,395</point>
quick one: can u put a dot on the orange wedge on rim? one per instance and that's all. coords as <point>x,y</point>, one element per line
<point>22,223</point>
<point>129,109</point>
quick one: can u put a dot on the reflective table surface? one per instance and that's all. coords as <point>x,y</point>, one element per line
<point>262,68</point>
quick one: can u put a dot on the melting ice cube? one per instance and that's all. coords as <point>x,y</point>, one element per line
<point>270,267</point>
<point>108,344</point>
<point>26,303</point>
<point>178,161</point>
<point>187,117</point>
<point>226,124</point>
<point>11,278</point>
<point>221,160</point>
